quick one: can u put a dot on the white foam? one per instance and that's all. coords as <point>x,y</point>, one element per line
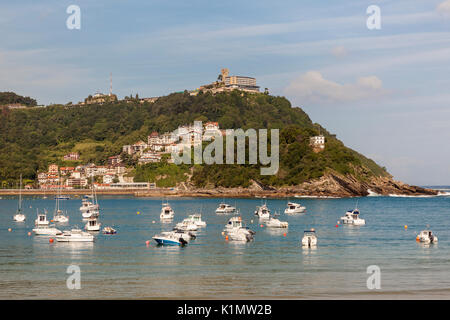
<point>372,194</point>
<point>317,197</point>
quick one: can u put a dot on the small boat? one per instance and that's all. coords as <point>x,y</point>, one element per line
<point>75,235</point>
<point>167,212</point>
<point>263,212</point>
<point>62,197</point>
<point>196,219</point>
<point>92,225</point>
<point>293,208</point>
<point>186,235</point>
<point>309,238</point>
<point>90,214</point>
<point>186,225</point>
<point>19,216</point>
<point>109,230</point>
<point>170,238</point>
<point>352,217</point>
<point>41,220</point>
<point>276,223</point>
<point>87,205</point>
<point>234,230</point>
<point>90,209</point>
<point>46,231</point>
<point>225,208</point>
<point>60,217</point>
<point>426,236</point>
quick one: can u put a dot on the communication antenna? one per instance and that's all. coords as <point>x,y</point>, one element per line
<point>110,83</point>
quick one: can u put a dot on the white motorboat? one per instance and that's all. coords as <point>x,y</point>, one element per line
<point>92,225</point>
<point>90,209</point>
<point>87,205</point>
<point>186,235</point>
<point>167,212</point>
<point>75,235</point>
<point>90,214</point>
<point>426,236</point>
<point>196,219</point>
<point>170,238</point>
<point>263,212</point>
<point>276,223</point>
<point>239,235</point>
<point>309,238</point>
<point>236,231</point>
<point>41,220</point>
<point>46,231</point>
<point>225,208</point>
<point>293,208</point>
<point>109,230</point>
<point>186,225</point>
<point>352,217</point>
<point>19,216</point>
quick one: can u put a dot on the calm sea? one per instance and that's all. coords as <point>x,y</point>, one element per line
<point>273,266</point>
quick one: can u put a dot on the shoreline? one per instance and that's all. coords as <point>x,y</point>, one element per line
<point>201,193</point>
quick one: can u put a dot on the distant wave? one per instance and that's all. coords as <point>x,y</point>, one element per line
<point>317,197</point>
<point>410,196</point>
<point>372,194</point>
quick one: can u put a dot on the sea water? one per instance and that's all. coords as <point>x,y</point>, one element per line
<point>273,266</point>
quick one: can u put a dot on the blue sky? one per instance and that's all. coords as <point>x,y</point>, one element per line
<point>385,93</point>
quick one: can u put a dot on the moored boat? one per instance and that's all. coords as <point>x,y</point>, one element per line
<point>109,230</point>
<point>426,236</point>
<point>46,231</point>
<point>352,217</point>
<point>19,216</point>
<point>196,219</point>
<point>75,235</point>
<point>234,230</point>
<point>41,220</point>
<point>167,212</point>
<point>170,238</point>
<point>225,208</point>
<point>273,222</point>
<point>262,212</point>
<point>92,225</point>
<point>293,208</point>
<point>309,238</point>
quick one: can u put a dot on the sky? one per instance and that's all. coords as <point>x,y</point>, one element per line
<point>384,92</point>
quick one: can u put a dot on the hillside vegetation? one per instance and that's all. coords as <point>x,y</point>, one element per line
<point>31,139</point>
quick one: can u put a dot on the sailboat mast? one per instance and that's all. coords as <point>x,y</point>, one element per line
<point>20,194</point>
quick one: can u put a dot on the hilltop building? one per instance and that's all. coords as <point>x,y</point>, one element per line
<point>225,82</point>
<point>317,143</point>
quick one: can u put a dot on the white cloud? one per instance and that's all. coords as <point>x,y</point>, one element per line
<point>444,8</point>
<point>339,51</point>
<point>312,87</point>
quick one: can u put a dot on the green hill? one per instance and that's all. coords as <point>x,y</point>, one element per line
<point>30,139</point>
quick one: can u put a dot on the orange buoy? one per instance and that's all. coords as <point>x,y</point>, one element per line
<point>406,227</point>
<point>52,221</point>
<point>226,238</point>
<point>50,240</point>
<point>417,239</point>
<point>29,233</point>
<point>147,242</point>
<point>337,226</point>
<point>284,234</point>
<point>262,226</point>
